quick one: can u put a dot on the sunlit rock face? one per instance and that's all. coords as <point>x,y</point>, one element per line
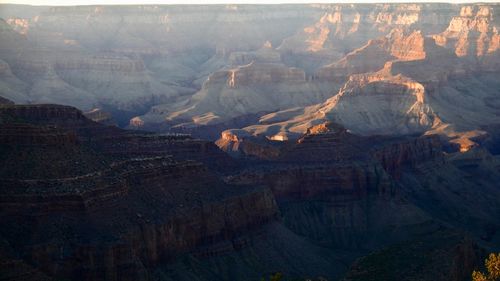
<point>406,82</point>
<point>354,40</point>
<point>399,44</point>
<point>340,130</point>
<point>375,103</point>
<point>404,97</point>
<point>211,68</point>
<point>474,32</point>
<point>100,116</point>
<point>383,105</point>
<point>244,90</point>
<point>344,27</point>
<point>130,58</point>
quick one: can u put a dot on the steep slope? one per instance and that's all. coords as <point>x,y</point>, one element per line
<point>350,192</point>
<point>116,215</point>
<point>458,190</point>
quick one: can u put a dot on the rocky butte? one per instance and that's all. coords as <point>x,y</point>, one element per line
<point>232,142</point>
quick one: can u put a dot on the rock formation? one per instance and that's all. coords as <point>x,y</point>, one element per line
<point>123,212</point>
<point>125,205</point>
<point>100,116</point>
<point>398,44</point>
<point>404,95</point>
<point>237,92</point>
<point>347,135</point>
<point>136,60</point>
<point>322,180</point>
<point>474,32</point>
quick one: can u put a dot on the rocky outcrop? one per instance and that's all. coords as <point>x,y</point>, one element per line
<point>410,153</point>
<point>338,188</point>
<point>344,27</point>
<point>100,116</point>
<point>399,44</point>
<point>368,58</point>
<point>422,95</point>
<point>473,33</point>
<point>109,140</point>
<point>241,143</point>
<point>374,103</point>
<point>328,145</point>
<point>266,54</point>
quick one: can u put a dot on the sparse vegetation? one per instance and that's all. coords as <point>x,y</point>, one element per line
<point>492,264</point>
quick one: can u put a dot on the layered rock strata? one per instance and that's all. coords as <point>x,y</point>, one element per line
<point>116,216</point>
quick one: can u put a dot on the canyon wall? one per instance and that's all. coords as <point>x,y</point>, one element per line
<point>174,69</point>
<point>116,211</point>
<point>343,129</point>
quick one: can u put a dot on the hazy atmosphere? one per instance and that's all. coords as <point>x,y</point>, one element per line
<point>188,2</point>
<point>312,141</point>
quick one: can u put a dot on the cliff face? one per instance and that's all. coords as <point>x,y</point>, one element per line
<point>344,27</point>
<point>473,33</point>
<point>338,188</point>
<point>141,232</point>
<point>120,208</point>
<point>346,191</point>
<point>123,203</point>
<point>100,116</point>
<point>106,139</point>
<point>345,113</point>
<point>394,157</point>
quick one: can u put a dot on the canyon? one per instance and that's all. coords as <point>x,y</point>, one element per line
<point>231,142</point>
<point>132,205</point>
